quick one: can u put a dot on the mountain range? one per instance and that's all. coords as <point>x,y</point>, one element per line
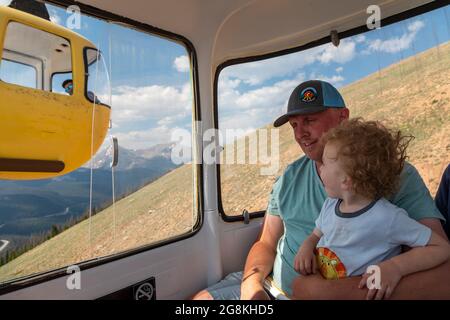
<point>31,207</point>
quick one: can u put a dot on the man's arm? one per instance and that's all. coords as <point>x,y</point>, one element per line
<point>429,284</point>
<point>261,258</point>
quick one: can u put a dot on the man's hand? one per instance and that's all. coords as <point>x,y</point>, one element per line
<point>253,290</point>
<point>305,261</point>
<point>390,276</point>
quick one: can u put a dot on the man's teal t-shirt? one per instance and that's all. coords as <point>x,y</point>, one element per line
<point>298,195</point>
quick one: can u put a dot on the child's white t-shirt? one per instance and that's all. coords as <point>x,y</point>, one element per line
<point>353,241</point>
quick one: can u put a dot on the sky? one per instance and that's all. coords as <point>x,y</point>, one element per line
<point>259,91</point>
<point>150,79</point>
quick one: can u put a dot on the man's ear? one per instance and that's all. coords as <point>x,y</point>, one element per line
<point>344,114</point>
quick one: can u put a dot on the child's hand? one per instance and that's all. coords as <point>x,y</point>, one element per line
<point>389,278</point>
<point>305,261</point>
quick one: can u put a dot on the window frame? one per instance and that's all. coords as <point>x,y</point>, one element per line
<point>86,76</point>
<point>198,202</point>
<point>411,13</point>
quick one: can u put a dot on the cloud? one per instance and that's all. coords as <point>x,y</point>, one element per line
<point>360,38</point>
<point>397,44</point>
<point>181,64</point>
<point>230,98</point>
<point>144,139</point>
<point>5,2</point>
<point>161,103</point>
<point>416,26</point>
<point>255,73</point>
<point>170,120</point>
<point>342,54</point>
<point>335,80</point>
<point>162,108</point>
<point>253,108</point>
<point>339,69</point>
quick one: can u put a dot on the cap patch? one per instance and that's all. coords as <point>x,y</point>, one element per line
<point>308,95</point>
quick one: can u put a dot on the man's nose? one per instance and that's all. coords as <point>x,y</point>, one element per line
<point>299,131</point>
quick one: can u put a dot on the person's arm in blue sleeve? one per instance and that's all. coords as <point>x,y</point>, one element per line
<point>443,197</point>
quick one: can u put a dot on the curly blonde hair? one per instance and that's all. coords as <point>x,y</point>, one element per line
<point>372,155</point>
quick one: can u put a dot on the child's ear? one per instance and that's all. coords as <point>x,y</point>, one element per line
<point>346,183</point>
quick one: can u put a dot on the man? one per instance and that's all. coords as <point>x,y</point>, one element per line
<point>68,88</point>
<point>297,196</point>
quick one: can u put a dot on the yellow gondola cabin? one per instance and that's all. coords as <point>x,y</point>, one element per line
<point>44,131</point>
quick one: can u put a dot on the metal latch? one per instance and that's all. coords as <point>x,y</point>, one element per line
<point>246,216</point>
<point>335,38</point>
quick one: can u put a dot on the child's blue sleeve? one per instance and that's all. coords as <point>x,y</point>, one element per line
<point>406,231</point>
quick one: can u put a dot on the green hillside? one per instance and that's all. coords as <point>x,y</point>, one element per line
<point>413,95</point>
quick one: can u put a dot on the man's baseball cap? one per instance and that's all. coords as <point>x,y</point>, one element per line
<point>311,97</point>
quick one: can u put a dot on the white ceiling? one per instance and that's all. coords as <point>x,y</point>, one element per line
<point>52,50</point>
<point>229,29</point>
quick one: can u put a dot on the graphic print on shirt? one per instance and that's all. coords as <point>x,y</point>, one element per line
<point>330,265</point>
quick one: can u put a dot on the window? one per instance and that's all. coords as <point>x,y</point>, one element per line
<point>58,80</point>
<point>18,73</point>
<point>51,224</point>
<point>397,74</point>
<point>33,56</point>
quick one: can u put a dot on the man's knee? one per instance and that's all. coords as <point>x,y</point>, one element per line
<point>227,289</point>
<point>202,295</point>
